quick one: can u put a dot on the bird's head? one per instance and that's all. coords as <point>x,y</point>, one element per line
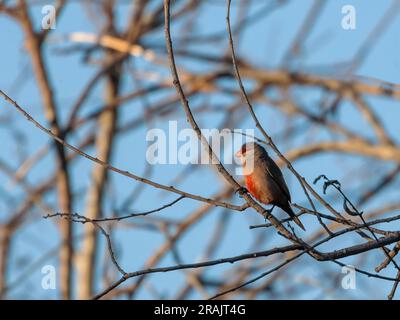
<point>248,155</point>
<point>249,150</point>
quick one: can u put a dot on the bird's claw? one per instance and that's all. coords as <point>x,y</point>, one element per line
<point>268,212</point>
<point>241,191</point>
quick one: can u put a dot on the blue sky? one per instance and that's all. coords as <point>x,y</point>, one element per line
<point>264,43</point>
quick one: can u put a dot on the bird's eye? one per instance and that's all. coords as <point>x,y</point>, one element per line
<point>243,150</point>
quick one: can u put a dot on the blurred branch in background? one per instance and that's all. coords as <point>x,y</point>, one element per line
<point>131,66</point>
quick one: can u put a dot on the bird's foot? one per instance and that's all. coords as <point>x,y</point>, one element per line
<point>241,191</point>
<point>265,215</point>
<point>268,212</point>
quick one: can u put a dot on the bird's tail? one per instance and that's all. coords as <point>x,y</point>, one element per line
<point>290,212</point>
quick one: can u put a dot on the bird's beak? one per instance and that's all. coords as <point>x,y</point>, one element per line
<point>238,154</point>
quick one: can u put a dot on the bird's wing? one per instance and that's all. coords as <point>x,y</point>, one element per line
<point>277,176</point>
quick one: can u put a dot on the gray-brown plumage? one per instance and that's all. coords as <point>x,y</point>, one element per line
<point>264,179</point>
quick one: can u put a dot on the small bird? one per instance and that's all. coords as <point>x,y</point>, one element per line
<point>264,179</point>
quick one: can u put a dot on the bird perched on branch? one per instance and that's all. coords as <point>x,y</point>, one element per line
<point>264,179</point>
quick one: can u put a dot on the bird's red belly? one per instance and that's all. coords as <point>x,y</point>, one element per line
<point>253,188</point>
